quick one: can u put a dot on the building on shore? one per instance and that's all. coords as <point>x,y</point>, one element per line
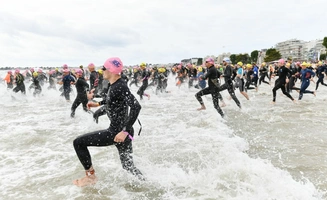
<point>292,48</point>
<point>301,50</point>
<point>261,56</point>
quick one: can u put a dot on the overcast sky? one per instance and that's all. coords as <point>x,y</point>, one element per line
<point>74,32</point>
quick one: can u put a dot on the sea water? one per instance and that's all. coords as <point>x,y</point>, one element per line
<point>262,151</point>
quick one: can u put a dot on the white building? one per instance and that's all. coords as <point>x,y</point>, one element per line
<point>313,49</point>
<point>301,50</point>
<point>292,48</point>
<point>261,56</point>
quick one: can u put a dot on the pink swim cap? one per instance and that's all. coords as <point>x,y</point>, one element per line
<point>78,71</point>
<point>65,66</point>
<point>114,65</point>
<point>32,69</point>
<point>10,72</point>
<point>39,70</point>
<point>210,60</point>
<point>281,61</point>
<point>17,71</point>
<point>91,65</point>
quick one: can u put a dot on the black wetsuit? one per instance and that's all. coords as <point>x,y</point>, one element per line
<point>81,87</point>
<point>37,86</point>
<point>20,86</point>
<point>52,81</point>
<point>66,86</point>
<point>213,89</point>
<point>135,79</point>
<point>229,84</point>
<point>192,72</point>
<point>292,79</point>
<point>124,77</point>
<point>263,73</point>
<point>145,77</point>
<point>42,77</point>
<point>94,80</point>
<point>248,82</point>
<point>160,87</point>
<point>283,73</point>
<point>116,104</point>
<point>321,76</point>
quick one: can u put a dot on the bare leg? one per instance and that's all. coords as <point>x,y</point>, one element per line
<point>245,95</point>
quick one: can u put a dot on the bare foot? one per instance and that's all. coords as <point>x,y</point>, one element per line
<point>273,102</point>
<point>148,97</point>
<point>314,93</point>
<point>87,180</point>
<point>202,108</point>
<point>222,104</point>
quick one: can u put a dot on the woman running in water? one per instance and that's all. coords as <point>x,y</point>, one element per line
<point>306,77</point>
<point>19,80</point>
<point>280,83</point>
<point>239,80</point>
<point>81,87</point>
<point>122,109</point>
<point>263,73</point>
<point>213,89</point>
<point>321,71</point>
<point>144,76</point>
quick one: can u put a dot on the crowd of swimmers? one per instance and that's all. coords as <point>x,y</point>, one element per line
<point>240,76</point>
<point>111,82</point>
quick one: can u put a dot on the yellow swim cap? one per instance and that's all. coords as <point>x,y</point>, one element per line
<point>240,63</point>
<point>142,64</point>
<point>200,69</point>
<point>35,74</point>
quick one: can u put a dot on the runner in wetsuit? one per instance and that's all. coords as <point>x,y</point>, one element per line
<point>213,88</point>
<point>283,73</point>
<point>239,80</point>
<point>19,80</point>
<point>321,71</point>
<point>263,73</point>
<point>144,76</point>
<point>81,87</point>
<point>306,77</point>
<point>228,81</point>
<point>120,132</point>
<point>36,84</point>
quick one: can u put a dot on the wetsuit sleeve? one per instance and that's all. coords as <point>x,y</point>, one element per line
<point>135,108</point>
<point>92,80</point>
<point>228,72</point>
<point>207,74</point>
<point>85,85</point>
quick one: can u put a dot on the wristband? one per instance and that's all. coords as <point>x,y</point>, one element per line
<point>130,137</point>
